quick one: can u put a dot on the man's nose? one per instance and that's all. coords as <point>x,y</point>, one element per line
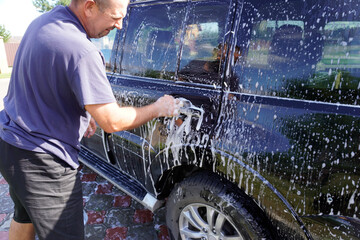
<point>118,24</point>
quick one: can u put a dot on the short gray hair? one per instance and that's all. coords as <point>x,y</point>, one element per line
<point>102,4</point>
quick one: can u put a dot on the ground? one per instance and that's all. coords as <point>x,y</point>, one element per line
<point>110,213</point>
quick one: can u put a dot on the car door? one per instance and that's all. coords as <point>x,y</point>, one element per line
<point>169,48</point>
<point>294,110</point>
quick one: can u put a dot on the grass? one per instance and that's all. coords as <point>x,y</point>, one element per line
<point>5,75</point>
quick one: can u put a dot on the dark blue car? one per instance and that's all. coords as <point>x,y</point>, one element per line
<point>268,142</point>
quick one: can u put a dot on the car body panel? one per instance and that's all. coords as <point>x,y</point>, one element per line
<point>279,120</point>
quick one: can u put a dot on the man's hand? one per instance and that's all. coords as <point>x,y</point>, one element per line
<point>167,106</point>
<point>91,129</point>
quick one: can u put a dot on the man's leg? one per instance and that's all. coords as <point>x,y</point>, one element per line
<point>46,192</point>
<point>21,231</point>
<point>21,228</point>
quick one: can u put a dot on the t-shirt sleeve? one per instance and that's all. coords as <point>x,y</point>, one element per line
<point>89,82</point>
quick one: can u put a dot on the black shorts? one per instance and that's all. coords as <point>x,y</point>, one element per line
<point>46,192</point>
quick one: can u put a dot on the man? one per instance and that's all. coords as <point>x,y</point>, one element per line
<point>58,83</point>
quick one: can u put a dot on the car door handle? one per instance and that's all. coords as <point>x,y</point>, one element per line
<point>188,109</point>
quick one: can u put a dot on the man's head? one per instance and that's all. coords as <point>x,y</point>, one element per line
<point>99,17</point>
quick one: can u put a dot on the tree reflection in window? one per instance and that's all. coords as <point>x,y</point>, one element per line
<point>150,48</point>
<point>304,52</point>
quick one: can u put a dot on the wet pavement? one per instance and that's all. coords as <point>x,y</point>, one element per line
<point>110,213</point>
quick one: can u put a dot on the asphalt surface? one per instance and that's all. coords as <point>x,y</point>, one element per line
<point>109,213</point>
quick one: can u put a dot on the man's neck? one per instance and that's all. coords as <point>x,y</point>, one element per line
<point>76,9</point>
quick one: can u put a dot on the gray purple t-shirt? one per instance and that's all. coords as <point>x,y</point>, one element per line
<point>57,71</point>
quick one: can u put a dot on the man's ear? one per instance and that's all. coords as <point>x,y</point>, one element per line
<point>89,8</point>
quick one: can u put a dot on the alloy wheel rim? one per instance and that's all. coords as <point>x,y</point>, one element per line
<point>203,222</point>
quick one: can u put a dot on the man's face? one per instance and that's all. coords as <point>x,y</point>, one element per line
<point>107,18</point>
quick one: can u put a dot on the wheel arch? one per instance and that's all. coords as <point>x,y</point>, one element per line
<point>246,179</point>
<point>205,190</point>
<point>264,193</point>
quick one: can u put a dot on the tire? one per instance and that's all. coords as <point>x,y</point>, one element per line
<point>206,207</point>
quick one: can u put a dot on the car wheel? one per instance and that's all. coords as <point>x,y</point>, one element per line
<point>207,207</point>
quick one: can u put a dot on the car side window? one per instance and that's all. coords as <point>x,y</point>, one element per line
<point>202,44</point>
<point>105,45</point>
<point>298,50</point>
<point>152,42</point>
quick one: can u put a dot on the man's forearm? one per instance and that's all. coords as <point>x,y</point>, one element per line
<point>135,117</point>
<point>112,118</point>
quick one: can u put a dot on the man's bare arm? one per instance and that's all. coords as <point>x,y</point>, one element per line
<point>112,118</point>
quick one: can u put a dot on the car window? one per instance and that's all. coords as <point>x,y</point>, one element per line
<point>298,50</point>
<point>202,44</point>
<point>152,43</point>
<point>105,44</point>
